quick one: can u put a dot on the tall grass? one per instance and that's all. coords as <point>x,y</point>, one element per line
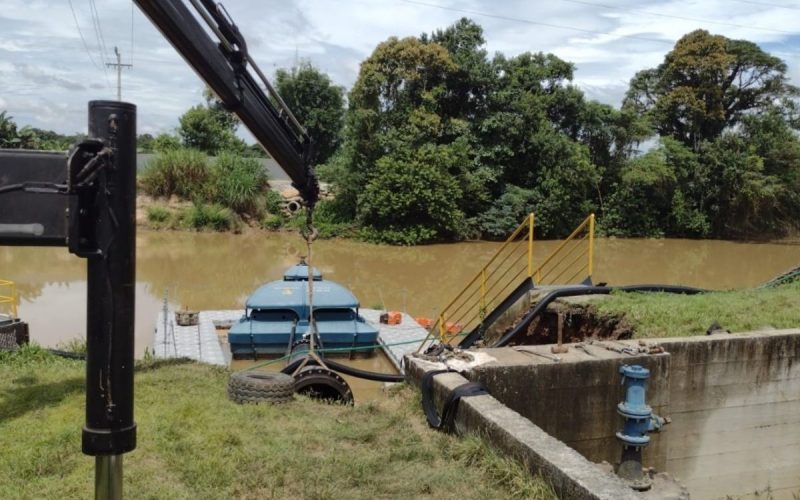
<point>237,182</point>
<point>182,172</point>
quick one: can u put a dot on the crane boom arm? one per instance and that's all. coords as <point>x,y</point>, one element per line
<point>224,64</point>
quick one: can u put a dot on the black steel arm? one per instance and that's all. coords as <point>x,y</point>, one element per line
<point>218,53</point>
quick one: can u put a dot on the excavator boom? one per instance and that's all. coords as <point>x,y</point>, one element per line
<point>211,43</point>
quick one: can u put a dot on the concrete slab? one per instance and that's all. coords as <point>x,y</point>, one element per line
<point>198,342</point>
<point>397,340</point>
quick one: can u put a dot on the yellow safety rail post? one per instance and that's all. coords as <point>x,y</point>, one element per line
<point>491,284</point>
<point>530,245</point>
<point>9,295</point>
<point>591,245</point>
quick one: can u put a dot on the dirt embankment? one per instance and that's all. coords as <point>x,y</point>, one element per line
<point>579,322</point>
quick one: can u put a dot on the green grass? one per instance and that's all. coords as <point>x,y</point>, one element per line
<point>214,217</point>
<point>669,315</point>
<point>194,443</point>
<point>182,172</point>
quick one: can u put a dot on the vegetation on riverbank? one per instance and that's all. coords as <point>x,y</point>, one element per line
<point>672,315</point>
<point>194,443</point>
<point>441,142</point>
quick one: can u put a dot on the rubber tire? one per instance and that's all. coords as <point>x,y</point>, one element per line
<point>313,377</point>
<point>260,387</point>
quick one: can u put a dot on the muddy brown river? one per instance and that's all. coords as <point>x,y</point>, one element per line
<point>218,271</point>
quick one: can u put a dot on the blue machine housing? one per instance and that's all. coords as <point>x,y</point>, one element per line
<point>277,316</point>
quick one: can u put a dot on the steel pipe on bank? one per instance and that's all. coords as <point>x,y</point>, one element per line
<point>110,430</point>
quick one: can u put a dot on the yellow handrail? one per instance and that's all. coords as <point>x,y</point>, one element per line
<point>471,302</point>
<point>543,272</point>
<point>11,298</point>
<point>497,278</point>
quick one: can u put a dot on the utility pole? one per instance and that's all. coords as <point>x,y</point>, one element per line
<point>119,67</point>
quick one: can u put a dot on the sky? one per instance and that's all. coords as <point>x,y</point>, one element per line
<point>53,53</point>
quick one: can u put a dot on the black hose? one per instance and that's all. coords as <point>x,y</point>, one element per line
<point>586,290</point>
<point>67,354</point>
<point>447,420</point>
<point>348,370</point>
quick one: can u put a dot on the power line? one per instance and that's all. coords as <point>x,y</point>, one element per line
<point>85,45</point>
<point>538,23</point>
<point>683,18</point>
<point>98,33</point>
<point>131,56</point>
<point>766,4</point>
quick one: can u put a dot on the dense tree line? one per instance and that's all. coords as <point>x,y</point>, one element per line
<point>443,142</point>
<point>438,141</point>
<point>14,137</point>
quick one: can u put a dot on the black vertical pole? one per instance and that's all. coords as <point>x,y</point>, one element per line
<point>110,430</point>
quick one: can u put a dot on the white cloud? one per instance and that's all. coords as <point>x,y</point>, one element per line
<point>46,76</point>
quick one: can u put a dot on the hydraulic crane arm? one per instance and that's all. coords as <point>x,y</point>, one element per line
<point>218,53</point>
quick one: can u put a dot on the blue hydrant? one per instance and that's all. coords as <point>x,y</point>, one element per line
<point>639,420</point>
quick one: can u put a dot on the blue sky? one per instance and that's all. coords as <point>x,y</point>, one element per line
<point>47,75</point>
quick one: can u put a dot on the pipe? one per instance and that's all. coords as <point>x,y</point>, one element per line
<point>110,430</point>
<point>108,477</point>
<point>639,421</point>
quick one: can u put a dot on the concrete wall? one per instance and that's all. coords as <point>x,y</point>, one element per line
<point>571,475</point>
<point>575,400</point>
<point>734,401</point>
<point>735,405</point>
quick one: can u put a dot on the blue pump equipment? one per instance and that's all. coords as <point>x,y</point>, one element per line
<point>639,421</point>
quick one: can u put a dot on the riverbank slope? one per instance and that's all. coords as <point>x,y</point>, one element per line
<point>194,443</point>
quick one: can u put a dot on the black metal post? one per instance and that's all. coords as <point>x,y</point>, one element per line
<point>110,430</point>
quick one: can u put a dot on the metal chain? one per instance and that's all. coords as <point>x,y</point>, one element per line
<point>309,234</point>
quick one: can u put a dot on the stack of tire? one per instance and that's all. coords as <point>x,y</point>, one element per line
<point>260,387</point>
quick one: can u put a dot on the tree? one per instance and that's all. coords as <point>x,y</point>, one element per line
<point>203,129</point>
<point>210,128</point>
<point>706,84</point>
<point>318,105</point>
<point>8,131</point>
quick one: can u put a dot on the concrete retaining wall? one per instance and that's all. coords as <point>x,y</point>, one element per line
<point>735,405</point>
<point>734,401</point>
<point>570,474</point>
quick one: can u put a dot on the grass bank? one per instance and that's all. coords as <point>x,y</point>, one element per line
<point>670,315</point>
<point>194,443</point>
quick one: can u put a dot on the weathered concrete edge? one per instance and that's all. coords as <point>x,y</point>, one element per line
<point>570,474</point>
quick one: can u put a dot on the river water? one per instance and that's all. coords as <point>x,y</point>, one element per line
<point>219,270</point>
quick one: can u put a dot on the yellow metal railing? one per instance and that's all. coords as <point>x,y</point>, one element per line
<point>571,260</point>
<point>8,295</point>
<point>490,285</point>
<point>504,271</point>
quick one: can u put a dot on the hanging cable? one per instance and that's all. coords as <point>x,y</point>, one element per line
<point>131,55</point>
<point>85,45</point>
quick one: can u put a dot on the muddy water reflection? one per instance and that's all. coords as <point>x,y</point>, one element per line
<point>218,271</point>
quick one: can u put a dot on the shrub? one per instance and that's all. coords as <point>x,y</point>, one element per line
<point>272,221</point>
<point>237,182</point>
<point>157,214</point>
<point>182,172</point>
<point>212,216</point>
<point>273,201</point>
